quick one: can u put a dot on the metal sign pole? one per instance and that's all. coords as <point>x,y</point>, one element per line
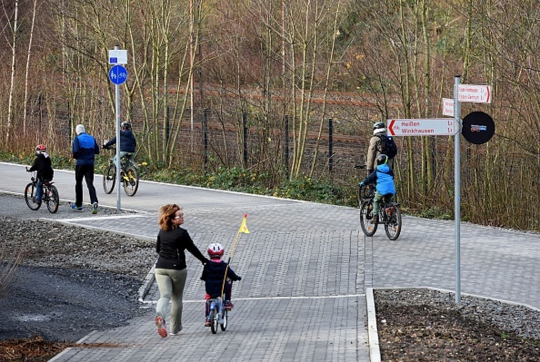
<point>118,75</point>
<point>117,91</point>
<point>457,184</point>
<point>118,204</point>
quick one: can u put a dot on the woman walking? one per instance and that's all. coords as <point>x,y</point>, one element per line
<point>170,271</point>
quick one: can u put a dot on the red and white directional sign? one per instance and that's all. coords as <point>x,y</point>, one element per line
<point>474,93</point>
<point>448,107</point>
<point>422,127</point>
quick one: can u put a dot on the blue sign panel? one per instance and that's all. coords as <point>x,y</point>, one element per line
<point>118,74</point>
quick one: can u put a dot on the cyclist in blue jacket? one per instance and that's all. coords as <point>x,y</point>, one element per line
<point>383,177</point>
<point>84,148</point>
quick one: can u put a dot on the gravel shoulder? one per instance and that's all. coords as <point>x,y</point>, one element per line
<point>71,280</point>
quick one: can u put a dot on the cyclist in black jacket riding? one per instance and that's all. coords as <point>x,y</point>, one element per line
<point>128,143</point>
<point>45,172</point>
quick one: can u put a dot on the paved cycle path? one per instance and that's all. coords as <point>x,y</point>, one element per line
<point>305,269</point>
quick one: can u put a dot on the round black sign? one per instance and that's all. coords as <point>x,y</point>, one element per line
<point>478,127</point>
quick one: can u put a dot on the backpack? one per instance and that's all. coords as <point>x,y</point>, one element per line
<point>387,146</point>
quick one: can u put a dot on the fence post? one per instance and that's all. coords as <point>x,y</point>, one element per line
<point>244,123</point>
<point>205,139</point>
<point>166,130</point>
<point>330,144</point>
<point>287,146</point>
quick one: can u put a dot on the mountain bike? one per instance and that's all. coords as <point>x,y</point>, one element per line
<point>49,194</point>
<point>389,213</point>
<point>129,175</point>
<point>218,314</point>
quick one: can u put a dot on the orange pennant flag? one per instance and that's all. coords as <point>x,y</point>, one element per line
<point>243,226</point>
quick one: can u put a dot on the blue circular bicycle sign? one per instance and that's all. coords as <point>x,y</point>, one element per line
<point>118,74</point>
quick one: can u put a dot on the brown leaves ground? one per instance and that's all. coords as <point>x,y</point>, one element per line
<point>37,350</point>
<point>425,333</point>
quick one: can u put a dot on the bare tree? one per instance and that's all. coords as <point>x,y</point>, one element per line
<point>12,23</point>
<point>27,68</point>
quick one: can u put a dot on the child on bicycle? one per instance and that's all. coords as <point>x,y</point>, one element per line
<point>214,274</point>
<point>45,172</point>
<point>383,177</point>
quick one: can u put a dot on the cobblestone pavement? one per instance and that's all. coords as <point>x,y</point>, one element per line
<point>305,269</point>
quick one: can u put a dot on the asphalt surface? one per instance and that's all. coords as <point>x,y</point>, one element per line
<point>307,269</point>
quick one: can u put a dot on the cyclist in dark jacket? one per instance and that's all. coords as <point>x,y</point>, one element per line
<point>45,172</point>
<point>383,177</point>
<point>128,143</point>
<point>214,276</point>
<point>84,147</point>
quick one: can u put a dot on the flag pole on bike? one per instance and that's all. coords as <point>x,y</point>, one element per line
<point>243,229</point>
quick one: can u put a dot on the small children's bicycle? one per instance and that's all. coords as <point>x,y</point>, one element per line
<point>218,314</point>
<point>49,194</point>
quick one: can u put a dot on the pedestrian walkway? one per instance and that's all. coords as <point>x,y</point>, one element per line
<point>306,269</point>
<point>302,296</point>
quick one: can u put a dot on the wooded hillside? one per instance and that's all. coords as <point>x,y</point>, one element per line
<point>260,65</point>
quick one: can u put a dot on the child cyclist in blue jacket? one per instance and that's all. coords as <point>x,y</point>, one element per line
<point>213,274</point>
<point>383,177</point>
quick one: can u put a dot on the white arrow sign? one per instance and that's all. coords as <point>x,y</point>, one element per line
<point>474,93</point>
<point>422,127</point>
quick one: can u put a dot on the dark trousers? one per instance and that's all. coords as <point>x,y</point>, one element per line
<point>86,171</point>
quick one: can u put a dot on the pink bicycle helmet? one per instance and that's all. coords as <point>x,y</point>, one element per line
<point>215,250</point>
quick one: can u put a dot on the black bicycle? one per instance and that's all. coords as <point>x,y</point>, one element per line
<point>49,194</point>
<point>389,213</point>
<point>129,175</point>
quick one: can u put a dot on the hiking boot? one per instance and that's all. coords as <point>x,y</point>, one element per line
<point>76,208</point>
<point>375,219</point>
<point>228,305</point>
<point>95,208</point>
<point>161,327</point>
<point>207,322</point>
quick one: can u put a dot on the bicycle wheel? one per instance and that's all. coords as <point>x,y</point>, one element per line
<point>131,181</point>
<point>109,178</point>
<point>30,195</point>
<point>213,320</point>
<point>51,198</point>
<point>366,214</point>
<point>225,320</point>
<point>392,226</point>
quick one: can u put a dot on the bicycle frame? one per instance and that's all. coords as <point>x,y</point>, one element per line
<point>218,314</point>
<point>129,176</point>
<point>389,213</point>
<point>48,191</point>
